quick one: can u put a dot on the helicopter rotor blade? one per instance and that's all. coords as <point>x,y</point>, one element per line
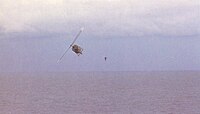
<point>79,33</point>
<point>64,54</point>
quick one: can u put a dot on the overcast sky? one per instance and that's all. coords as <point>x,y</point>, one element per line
<point>133,34</point>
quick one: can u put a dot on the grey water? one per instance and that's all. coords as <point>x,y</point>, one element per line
<point>100,93</point>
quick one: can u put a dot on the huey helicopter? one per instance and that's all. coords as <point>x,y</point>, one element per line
<point>75,48</point>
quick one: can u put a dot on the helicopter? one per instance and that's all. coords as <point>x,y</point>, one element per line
<point>75,48</point>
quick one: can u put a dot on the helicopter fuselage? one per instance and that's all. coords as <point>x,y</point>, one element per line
<point>77,49</point>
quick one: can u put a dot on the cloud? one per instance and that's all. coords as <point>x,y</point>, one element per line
<point>103,18</point>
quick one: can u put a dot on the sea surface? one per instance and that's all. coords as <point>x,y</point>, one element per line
<point>100,93</point>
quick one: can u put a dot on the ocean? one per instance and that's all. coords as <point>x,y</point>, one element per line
<point>100,93</point>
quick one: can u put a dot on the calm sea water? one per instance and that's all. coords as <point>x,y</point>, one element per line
<point>100,93</point>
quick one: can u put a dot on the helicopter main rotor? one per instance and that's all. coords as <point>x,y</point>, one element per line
<point>77,49</point>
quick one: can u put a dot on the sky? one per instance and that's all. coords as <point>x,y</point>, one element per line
<point>134,35</point>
